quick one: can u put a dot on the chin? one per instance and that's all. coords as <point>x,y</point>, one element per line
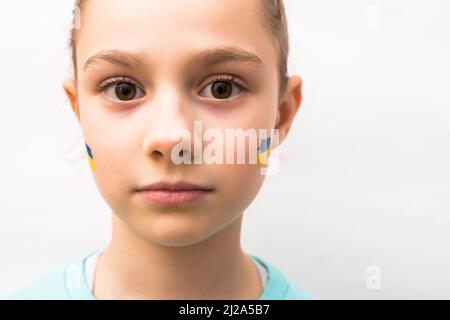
<point>177,240</point>
<point>176,243</point>
<point>177,232</point>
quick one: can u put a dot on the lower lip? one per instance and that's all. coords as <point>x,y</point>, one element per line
<point>167,197</point>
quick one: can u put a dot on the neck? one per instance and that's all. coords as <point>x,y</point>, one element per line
<point>215,268</point>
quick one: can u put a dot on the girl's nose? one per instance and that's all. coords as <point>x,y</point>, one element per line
<point>169,119</point>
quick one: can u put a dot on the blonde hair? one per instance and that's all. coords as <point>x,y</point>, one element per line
<point>275,21</point>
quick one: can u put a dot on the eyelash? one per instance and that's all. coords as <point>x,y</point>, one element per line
<point>120,79</point>
<point>115,80</point>
<point>226,77</point>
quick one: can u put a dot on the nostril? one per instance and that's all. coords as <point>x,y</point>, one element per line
<point>185,154</point>
<point>157,153</point>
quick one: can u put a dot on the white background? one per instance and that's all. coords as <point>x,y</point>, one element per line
<point>366,178</point>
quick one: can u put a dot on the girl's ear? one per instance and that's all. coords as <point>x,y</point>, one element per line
<point>289,107</point>
<point>70,88</point>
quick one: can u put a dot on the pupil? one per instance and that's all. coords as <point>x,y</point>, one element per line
<point>222,89</point>
<point>125,91</point>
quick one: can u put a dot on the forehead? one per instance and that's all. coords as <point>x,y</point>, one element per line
<point>172,28</point>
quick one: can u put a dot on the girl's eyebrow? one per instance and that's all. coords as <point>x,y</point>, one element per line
<point>214,56</point>
<point>127,59</point>
<point>207,57</point>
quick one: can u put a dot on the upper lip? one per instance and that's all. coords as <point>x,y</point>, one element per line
<point>173,186</point>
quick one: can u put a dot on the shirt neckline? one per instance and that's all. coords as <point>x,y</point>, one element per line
<point>78,288</point>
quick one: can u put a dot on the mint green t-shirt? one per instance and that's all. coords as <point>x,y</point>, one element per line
<point>68,282</point>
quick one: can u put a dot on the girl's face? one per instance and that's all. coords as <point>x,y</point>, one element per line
<point>169,55</point>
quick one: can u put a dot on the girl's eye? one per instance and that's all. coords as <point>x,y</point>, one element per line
<point>222,89</point>
<point>123,92</point>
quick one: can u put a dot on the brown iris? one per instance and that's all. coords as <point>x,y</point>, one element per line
<point>221,90</point>
<point>125,91</point>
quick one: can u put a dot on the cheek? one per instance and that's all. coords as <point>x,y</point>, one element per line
<point>111,174</point>
<point>112,160</point>
<point>239,184</point>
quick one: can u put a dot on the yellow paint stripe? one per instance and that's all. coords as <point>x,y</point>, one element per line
<point>263,158</point>
<point>91,163</point>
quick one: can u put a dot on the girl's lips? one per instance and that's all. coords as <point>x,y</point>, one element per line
<point>167,193</point>
<point>173,197</point>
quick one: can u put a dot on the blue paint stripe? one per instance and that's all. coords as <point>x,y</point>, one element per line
<point>265,144</point>
<point>89,151</point>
